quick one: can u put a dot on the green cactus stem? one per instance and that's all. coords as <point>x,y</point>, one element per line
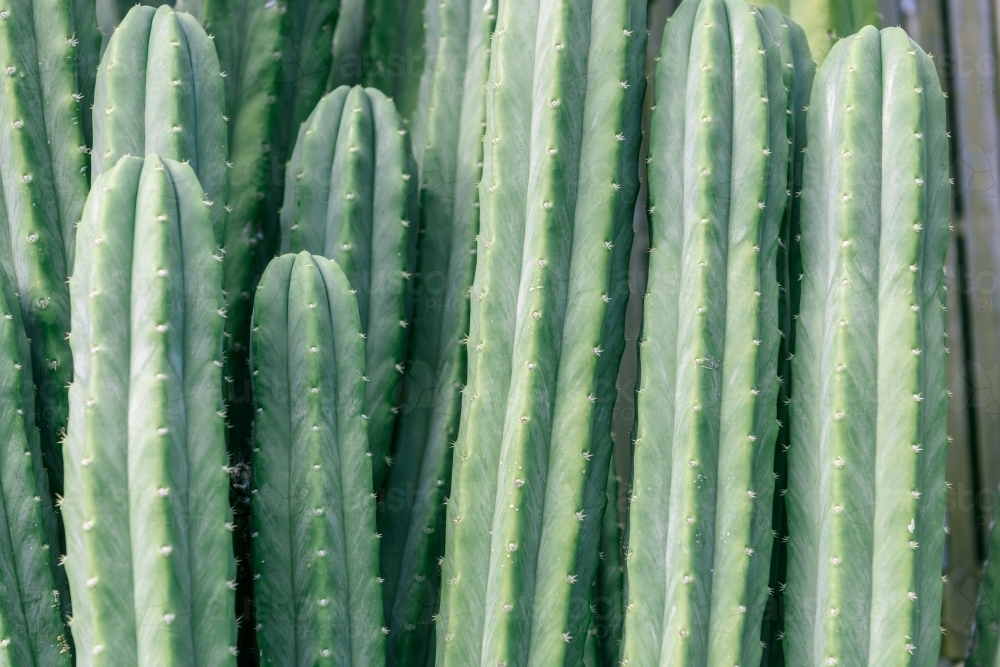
<point>32,586</point>
<point>531,460</point>
<point>171,103</point>
<point>49,52</point>
<point>608,606</point>
<point>866,482</point>
<point>396,53</point>
<point>699,526</point>
<point>413,514</point>
<point>347,66</point>
<point>350,195</point>
<point>983,651</point>
<point>147,514</point>
<point>315,546</point>
<point>798,69</point>
<point>826,21</point>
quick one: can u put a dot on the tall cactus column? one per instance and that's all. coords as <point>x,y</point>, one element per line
<point>48,52</point>
<point>31,583</point>
<point>315,544</point>
<point>866,465</point>
<point>147,495</point>
<point>699,528</point>
<point>350,196</point>
<point>531,460</point>
<point>413,516</point>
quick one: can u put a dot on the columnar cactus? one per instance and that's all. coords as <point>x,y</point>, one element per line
<point>146,510</point>
<point>48,51</point>
<point>826,21</point>
<point>798,69</point>
<point>452,111</point>
<point>31,583</point>
<point>699,528</point>
<point>170,103</point>
<point>348,44</point>
<point>350,196</point>
<point>315,544</point>
<point>531,460</point>
<point>866,481</point>
<point>608,606</point>
<point>987,627</point>
<point>396,52</point>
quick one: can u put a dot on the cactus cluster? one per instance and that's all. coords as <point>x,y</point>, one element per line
<point>315,546</point>
<point>827,21</point>
<point>146,510</point>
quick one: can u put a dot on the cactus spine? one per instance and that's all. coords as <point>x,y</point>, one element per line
<point>866,466</point>
<point>531,461</point>
<point>31,629</point>
<point>172,106</point>
<point>147,487</point>
<point>798,69</point>
<point>349,196</point>
<point>49,51</point>
<point>315,544</point>
<point>413,517</point>
<point>699,535</point>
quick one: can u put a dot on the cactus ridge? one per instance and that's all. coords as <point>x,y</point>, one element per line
<point>396,51</point>
<point>534,443</point>
<point>147,500</point>
<point>32,592</point>
<point>49,51</point>
<point>699,539</point>
<point>350,195</point>
<point>315,544</point>
<point>413,516</point>
<point>174,106</point>
<point>866,464</point>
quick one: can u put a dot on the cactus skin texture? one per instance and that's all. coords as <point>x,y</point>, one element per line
<point>413,516</point>
<point>531,461</point>
<point>174,106</point>
<point>315,545</point>
<point>349,196</point>
<point>983,651</point>
<point>699,538</point>
<point>826,21</point>
<point>798,69</point>
<point>348,45</point>
<point>609,584</point>
<point>31,584</point>
<point>866,465</point>
<point>49,52</point>
<point>396,52</point>
<point>147,512</point>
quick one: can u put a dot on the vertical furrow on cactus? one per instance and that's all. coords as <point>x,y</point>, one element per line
<point>318,592</point>
<point>31,630</point>
<point>503,196</point>
<point>450,117</point>
<point>96,507</point>
<point>608,604</point>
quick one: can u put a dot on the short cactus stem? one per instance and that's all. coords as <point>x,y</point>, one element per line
<point>315,544</point>
<point>34,587</point>
<point>396,51</point>
<point>826,21</point>
<point>413,516</point>
<point>49,52</point>
<point>699,527</point>
<point>148,522</point>
<point>350,195</point>
<point>530,465</point>
<point>866,482</point>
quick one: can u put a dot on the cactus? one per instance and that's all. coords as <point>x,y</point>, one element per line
<point>983,651</point>
<point>826,21</point>
<point>173,105</point>
<point>396,51</point>
<point>315,545</point>
<point>349,196</point>
<point>531,459</point>
<point>608,606</point>
<point>798,69</point>
<point>49,52</point>
<point>146,510</point>
<point>699,538</point>
<point>347,66</point>
<point>31,585</point>
<point>866,483</point>
<point>413,515</point>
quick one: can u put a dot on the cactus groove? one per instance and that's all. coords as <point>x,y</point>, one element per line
<point>32,586</point>
<point>531,460</point>
<point>315,545</point>
<point>147,512</point>
<point>350,195</point>
<point>452,111</point>
<point>49,51</point>
<point>868,413</point>
<point>699,538</point>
